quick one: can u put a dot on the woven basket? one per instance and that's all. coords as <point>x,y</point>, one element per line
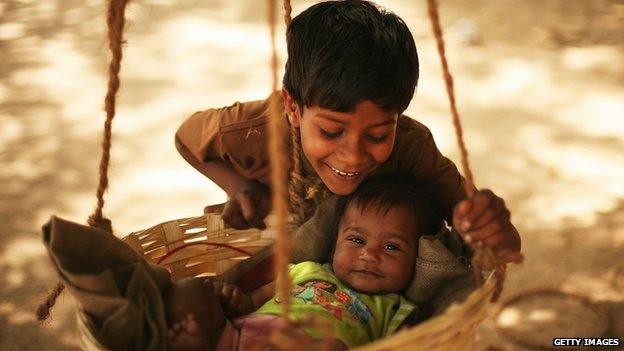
<point>452,330</point>
<point>200,246</point>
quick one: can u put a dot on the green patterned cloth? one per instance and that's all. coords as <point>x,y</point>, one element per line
<point>358,318</point>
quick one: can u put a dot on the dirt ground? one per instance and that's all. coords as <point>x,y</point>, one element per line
<point>540,86</point>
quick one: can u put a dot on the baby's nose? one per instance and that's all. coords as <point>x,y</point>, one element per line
<point>370,255</point>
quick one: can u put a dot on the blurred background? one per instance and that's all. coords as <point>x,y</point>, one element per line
<point>540,90</point>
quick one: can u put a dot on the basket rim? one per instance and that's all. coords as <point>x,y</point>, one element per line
<point>482,293</point>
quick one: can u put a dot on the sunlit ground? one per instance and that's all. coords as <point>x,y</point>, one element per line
<point>540,89</point>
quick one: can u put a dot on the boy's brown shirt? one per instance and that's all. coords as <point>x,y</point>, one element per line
<point>238,134</point>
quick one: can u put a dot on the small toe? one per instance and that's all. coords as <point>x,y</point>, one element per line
<point>192,326</point>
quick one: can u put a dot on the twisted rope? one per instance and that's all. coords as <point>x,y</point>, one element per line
<point>296,185</point>
<point>306,189</point>
<point>115,21</point>
<point>448,80</point>
<point>279,178</point>
<point>43,311</point>
<point>484,258</point>
<point>287,12</point>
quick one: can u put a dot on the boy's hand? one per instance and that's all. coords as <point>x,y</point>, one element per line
<point>248,207</point>
<point>485,220</point>
<point>234,302</point>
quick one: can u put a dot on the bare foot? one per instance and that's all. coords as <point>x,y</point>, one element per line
<point>194,315</point>
<point>188,334</point>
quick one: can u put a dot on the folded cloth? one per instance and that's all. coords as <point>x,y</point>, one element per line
<point>119,292</point>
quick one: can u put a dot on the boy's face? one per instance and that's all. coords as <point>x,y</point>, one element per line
<point>344,147</point>
<point>375,253</point>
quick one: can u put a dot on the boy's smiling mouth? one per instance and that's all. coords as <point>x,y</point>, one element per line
<point>344,173</point>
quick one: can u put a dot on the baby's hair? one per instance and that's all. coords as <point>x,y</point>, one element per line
<point>386,191</point>
<point>341,53</point>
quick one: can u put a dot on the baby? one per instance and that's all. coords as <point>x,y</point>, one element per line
<point>358,293</point>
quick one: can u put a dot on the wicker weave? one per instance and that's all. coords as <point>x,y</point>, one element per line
<point>201,257</point>
<point>452,330</point>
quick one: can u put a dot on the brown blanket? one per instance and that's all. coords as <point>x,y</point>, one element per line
<point>110,280</point>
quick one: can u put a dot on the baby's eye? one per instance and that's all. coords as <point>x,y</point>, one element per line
<point>392,247</point>
<point>356,240</point>
<point>330,135</point>
<point>377,140</point>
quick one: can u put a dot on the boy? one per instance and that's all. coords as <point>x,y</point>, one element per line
<point>352,70</point>
<point>375,249</point>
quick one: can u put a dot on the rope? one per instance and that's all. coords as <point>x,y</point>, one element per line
<point>296,185</point>
<point>483,259</point>
<point>43,311</point>
<point>306,190</point>
<point>279,178</point>
<point>287,12</point>
<point>448,80</point>
<point>115,21</point>
<point>296,175</point>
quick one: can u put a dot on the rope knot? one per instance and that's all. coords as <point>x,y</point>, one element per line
<point>312,191</point>
<point>485,260</point>
<point>100,222</point>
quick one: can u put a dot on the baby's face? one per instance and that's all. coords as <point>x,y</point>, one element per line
<point>375,253</point>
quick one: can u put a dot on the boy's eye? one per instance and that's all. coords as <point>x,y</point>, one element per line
<point>330,135</point>
<point>377,140</point>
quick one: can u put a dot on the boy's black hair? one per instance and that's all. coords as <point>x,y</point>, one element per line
<point>341,53</point>
<point>390,190</point>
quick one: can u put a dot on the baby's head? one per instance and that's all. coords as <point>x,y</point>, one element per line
<point>377,241</point>
<point>352,69</point>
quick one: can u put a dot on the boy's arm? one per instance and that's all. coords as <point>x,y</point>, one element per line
<point>483,219</point>
<point>218,171</point>
<point>249,199</point>
<point>416,153</point>
<point>228,146</point>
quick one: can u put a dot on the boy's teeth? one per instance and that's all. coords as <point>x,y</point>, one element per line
<point>344,174</point>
